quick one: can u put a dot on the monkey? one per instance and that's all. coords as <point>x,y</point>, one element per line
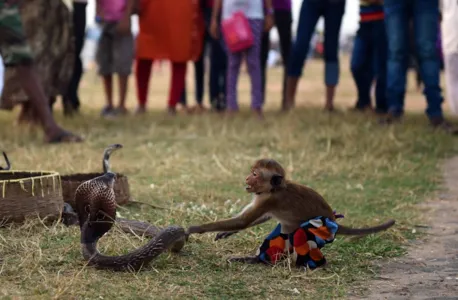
<point>8,164</point>
<point>290,203</point>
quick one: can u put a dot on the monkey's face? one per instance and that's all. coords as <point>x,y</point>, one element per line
<point>257,183</point>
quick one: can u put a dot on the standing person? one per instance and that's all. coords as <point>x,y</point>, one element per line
<point>425,15</point>
<point>259,22</point>
<point>282,20</point>
<point>167,32</point>
<point>449,28</point>
<point>311,11</point>
<point>17,54</point>
<point>72,101</point>
<point>115,52</point>
<point>218,67</point>
<point>369,57</point>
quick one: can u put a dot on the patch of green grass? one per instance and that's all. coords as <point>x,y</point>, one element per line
<point>196,165</point>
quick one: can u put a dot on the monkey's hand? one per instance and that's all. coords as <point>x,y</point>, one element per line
<point>224,235</point>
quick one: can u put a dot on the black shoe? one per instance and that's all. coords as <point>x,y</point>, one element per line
<point>441,123</point>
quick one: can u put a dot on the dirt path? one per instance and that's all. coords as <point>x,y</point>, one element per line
<point>430,270</point>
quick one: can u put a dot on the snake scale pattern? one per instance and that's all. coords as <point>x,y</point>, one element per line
<point>96,210</point>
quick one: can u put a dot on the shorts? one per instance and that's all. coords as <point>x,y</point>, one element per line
<point>304,244</point>
<point>115,52</point>
<point>13,41</point>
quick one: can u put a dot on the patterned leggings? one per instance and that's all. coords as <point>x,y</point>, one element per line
<point>254,69</point>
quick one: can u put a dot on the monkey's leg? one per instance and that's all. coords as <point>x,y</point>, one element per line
<point>226,234</point>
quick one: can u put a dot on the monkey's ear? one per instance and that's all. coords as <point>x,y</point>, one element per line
<point>276,180</point>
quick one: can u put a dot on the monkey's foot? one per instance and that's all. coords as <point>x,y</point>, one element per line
<point>224,235</point>
<point>245,260</point>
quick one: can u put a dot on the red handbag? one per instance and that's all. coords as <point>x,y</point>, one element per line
<point>237,32</point>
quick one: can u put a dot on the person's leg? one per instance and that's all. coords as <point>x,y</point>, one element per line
<point>17,53</point>
<point>142,76</point>
<point>123,58</point>
<point>308,17</point>
<point>254,67</point>
<point>79,30</point>
<point>361,65</point>
<point>380,58</point>
<point>397,26</point>
<point>332,22</point>
<point>451,77</point>
<point>233,72</point>
<point>183,98</point>
<point>265,47</point>
<point>283,22</point>
<point>177,84</point>
<point>426,14</point>
<point>105,60</point>
<point>199,73</point>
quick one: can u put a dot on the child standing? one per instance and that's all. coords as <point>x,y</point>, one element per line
<point>369,56</point>
<point>115,52</point>
<point>259,22</point>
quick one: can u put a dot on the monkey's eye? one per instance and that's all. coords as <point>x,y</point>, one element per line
<point>255,174</point>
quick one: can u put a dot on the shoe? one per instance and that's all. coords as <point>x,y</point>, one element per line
<point>441,123</point>
<point>108,112</point>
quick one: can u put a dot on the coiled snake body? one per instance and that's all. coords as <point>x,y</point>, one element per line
<point>96,209</point>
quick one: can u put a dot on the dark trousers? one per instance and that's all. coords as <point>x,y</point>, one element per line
<point>425,15</point>
<point>283,21</point>
<point>79,29</point>
<point>218,67</point>
<point>311,11</point>
<point>368,62</point>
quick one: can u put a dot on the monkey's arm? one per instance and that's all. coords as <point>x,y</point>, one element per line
<point>248,216</point>
<point>226,234</point>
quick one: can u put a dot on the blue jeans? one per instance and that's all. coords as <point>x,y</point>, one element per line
<point>311,11</point>
<point>425,15</point>
<point>368,61</point>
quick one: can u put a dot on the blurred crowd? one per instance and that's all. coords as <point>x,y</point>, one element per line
<point>43,50</point>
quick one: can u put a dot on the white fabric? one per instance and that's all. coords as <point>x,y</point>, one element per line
<point>2,75</point>
<point>451,80</point>
<point>253,9</point>
<point>449,26</point>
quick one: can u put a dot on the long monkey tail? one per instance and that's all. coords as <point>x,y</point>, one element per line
<point>364,231</point>
<point>8,164</point>
<point>106,156</point>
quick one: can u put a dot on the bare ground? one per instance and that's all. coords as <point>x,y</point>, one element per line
<point>430,270</point>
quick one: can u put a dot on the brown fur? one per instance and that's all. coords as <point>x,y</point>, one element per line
<point>274,196</point>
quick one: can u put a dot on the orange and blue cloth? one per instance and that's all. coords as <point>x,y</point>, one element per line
<point>304,244</point>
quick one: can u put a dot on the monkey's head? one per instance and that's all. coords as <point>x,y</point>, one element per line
<point>266,176</point>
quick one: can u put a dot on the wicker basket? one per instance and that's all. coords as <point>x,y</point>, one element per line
<point>71,182</point>
<point>25,194</point>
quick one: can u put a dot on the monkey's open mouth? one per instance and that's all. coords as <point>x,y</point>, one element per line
<point>248,187</point>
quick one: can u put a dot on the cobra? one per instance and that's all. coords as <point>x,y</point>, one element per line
<point>96,210</point>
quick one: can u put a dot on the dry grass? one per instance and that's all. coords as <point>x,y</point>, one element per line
<point>196,166</point>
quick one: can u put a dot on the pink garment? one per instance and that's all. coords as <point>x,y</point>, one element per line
<point>112,10</point>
